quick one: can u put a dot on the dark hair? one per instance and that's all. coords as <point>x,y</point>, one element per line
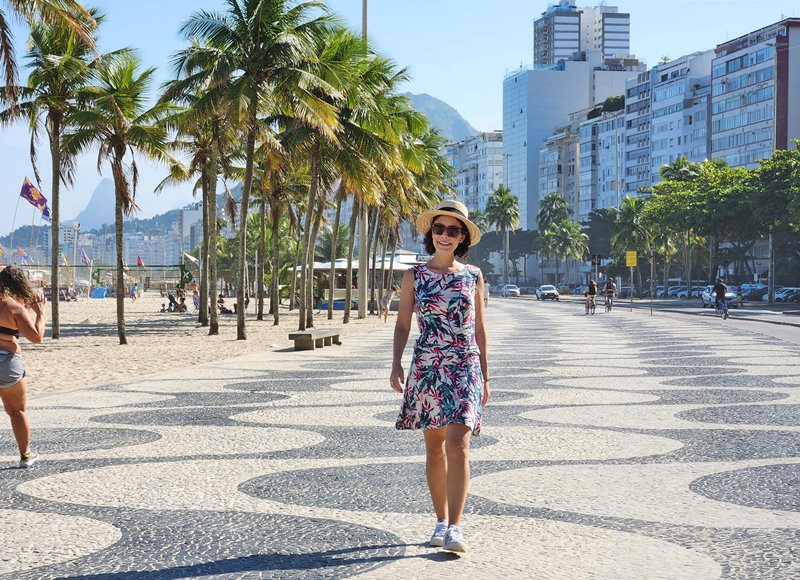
<point>461,250</point>
<point>14,282</point>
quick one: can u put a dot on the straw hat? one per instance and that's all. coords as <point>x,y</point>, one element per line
<point>452,208</point>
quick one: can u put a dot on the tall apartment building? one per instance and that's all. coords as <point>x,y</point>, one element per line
<point>478,167</point>
<point>755,90</point>
<point>680,100</point>
<point>636,160</point>
<point>565,29</point>
<point>536,100</point>
<point>606,188</point>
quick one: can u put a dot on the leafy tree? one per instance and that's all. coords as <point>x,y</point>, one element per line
<point>565,240</point>
<point>631,231</point>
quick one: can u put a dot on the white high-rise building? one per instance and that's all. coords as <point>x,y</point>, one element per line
<point>477,166</point>
<point>565,29</point>
<point>755,91</point>
<point>535,101</point>
<point>680,93</point>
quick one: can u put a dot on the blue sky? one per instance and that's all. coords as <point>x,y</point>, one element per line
<point>456,50</point>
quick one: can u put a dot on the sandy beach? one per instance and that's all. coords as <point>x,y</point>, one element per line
<point>89,354</point>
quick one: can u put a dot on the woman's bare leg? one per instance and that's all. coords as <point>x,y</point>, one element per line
<point>14,404</point>
<point>457,453</point>
<point>436,469</point>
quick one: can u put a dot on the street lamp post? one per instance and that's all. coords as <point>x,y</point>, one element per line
<point>363,214</point>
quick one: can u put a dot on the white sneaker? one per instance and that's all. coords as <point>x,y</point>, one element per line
<point>454,540</point>
<point>437,539</point>
<point>28,459</point>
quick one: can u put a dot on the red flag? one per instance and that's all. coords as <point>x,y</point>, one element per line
<point>139,261</point>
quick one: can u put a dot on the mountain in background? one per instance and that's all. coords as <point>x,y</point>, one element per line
<point>445,118</point>
<point>100,209</point>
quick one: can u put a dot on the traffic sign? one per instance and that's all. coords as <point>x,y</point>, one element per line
<point>630,258</point>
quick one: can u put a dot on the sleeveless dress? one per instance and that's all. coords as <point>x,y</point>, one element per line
<point>445,381</point>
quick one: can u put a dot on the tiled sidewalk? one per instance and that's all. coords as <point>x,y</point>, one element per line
<point>615,446</point>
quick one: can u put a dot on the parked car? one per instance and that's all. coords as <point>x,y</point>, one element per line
<point>659,293</point>
<point>785,293</point>
<point>684,294</point>
<point>624,292</point>
<point>509,290</point>
<point>778,290</point>
<point>708,297</point>
<point>754,292</point>
<point>672,291</point>
<point>546,292</point>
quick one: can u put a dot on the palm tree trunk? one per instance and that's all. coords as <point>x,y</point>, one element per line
<point>202,316</point>
<point>213,327</point>
<point>334,243</point>
<point>55,157</point>
<point>262,244</point>
<point>374,249</point>
<point>309,220</point>
<point>241,332</point>
<point>348,293</point>
<point>390,278</point>
<point>119,225</point>
<point>310,280</point>
<point>274,303</point>
<point>293,285</point>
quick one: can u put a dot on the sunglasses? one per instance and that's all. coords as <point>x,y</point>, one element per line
<point>452,231</point>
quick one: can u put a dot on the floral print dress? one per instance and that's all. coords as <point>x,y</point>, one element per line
<point>445,381</point>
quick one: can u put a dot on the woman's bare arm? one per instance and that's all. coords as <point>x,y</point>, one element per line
<point>480,339</point>
<point>401,330</point>
<point>33,331</point>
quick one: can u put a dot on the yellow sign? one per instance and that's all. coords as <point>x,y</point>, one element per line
<point>630,258</point>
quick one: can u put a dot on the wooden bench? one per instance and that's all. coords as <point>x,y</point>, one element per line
<point>315,338</point>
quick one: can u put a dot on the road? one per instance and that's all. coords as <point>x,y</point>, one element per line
<point>618,445</point>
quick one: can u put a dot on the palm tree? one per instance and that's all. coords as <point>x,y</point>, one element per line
<point>58,14</point>
<point>565,239</point>
<point>631,231</point>
<point>259,48</point>
<point>553,209</point>
<point>502,210</point>
<point>680,170</point>
<point>59,63</point>
<point>113,116</point>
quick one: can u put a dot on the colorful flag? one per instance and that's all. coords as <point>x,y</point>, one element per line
<point>35,198</point>
<point>64,259</point>
<point>21,252</point>
<point>85,259</point>
<point>2,250</point>
<point>139,261</point>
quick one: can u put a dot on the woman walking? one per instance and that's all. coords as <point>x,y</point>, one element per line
<point>16,295</point>
<point>448,383</point>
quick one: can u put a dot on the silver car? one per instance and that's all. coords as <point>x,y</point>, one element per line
<point>509,290</point>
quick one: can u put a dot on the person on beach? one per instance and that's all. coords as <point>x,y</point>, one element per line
<point>16,296</point>
<point>386,302</point>
<point>448,383</point>
<point>133,293</point>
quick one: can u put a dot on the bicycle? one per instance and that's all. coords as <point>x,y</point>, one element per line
<point>590,305</point>
<point>609,302</point>
<point>721,308</point>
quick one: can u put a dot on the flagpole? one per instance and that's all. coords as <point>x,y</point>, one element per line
<point>13,223</point>
<point>30,239</point>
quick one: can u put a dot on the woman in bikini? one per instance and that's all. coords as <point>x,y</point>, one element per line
<point>16,296</point>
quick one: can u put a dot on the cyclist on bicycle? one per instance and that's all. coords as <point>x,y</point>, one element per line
<point>590,295</point>
<point>719,294</point>
<point>610,291</point>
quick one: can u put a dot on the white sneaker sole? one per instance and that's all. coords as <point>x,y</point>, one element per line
<point>455,547</point>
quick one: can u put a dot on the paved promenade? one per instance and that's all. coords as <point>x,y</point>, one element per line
<point>616,446</point>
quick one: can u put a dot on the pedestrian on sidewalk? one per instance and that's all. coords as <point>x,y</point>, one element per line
<point>16,296</point>
<point>448,383</point>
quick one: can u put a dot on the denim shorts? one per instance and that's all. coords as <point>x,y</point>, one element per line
<point>12,370</point>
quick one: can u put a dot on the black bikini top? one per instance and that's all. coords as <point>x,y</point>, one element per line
<point>12,331</point>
